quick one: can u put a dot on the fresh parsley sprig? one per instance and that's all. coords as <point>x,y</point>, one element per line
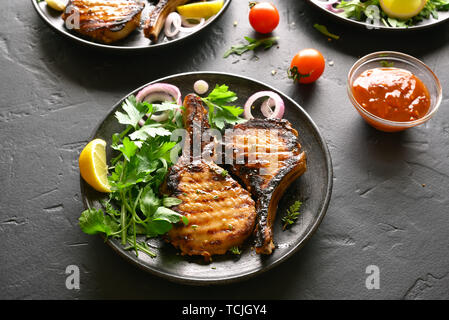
<point>220,110</point>
<point>135,206</point>
<point>292,214</point>
<point>252,44</point>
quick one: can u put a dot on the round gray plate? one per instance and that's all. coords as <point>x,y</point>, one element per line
<point>443,16</point>
<point>136,41</point>
<point>313,188</point>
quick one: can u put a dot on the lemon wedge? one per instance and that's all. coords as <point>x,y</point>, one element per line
<point>93,167</point>
<point>200,9</point>
<point>402,9</point>
<point>58,5</point>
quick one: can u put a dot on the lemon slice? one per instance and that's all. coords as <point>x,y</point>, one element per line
<point>402,9</point>
<point>200,9</point>
<point>93,167</point>
<point>58,5</point>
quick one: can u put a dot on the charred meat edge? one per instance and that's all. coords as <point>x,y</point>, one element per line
<point>106,29</point>
<point>156,20</point>
<point>267,199</point>
<point>195,112</point>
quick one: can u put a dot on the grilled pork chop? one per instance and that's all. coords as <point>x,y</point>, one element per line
<point>105,21</point>
<point>156,20</point>
<point>267,158</point>
<point>221,213</point>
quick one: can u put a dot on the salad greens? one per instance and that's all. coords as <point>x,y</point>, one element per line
<point>144,151</point>
<point>136,176</point>
<point>360,11</point>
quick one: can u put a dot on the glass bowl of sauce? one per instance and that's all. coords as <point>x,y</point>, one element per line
<point>393,91</point>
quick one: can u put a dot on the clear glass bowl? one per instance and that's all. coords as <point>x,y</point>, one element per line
<point>402,61</point>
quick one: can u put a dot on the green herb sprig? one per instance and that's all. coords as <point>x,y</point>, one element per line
<point>251,44</point>
<point>292,214</point>
<point>220,110</point>
<point>325,31</point>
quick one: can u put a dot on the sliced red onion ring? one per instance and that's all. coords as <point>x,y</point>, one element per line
<point>173,19</point>
<point>159,92</point>
<point>330,6</point>
<point>175,24</point>
<point>162,97</point>
<point>273,100</point>
<point>191,26</point>
<point>266,107</point>
<point>170,89</point>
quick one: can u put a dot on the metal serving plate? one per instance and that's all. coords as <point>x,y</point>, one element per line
<point>136,41</point>
<point>314,188</point>
<point>443,17</point>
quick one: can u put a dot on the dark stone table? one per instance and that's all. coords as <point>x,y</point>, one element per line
<point>390,204</point>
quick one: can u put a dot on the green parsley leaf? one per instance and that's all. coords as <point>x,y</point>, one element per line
<point>135,111</point>
<point>128,148</point>
<point>220,113</point>
<point>147,131</point>
<point>149,202</point>
<point>163,220</point>
<point>171,201</point>
<point>93,221</point>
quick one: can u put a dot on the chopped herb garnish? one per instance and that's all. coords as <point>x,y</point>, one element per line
<point>387,64</point>
<point>235,250</point>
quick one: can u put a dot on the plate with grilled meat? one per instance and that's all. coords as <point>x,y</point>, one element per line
<point>128,24</point>
<point>234,180</point>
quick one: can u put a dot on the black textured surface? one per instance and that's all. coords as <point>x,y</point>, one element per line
<point>390,200</point>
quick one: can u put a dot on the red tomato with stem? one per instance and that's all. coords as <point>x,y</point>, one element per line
<point>263,16</point>
<point>307,66</point>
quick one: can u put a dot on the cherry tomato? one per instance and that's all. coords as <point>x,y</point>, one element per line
<point>263,17</point>
<point>307,66</point>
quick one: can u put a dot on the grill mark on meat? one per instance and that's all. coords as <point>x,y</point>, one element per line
<point>105,21</point>
<point>267,188</point>
<point>212,212</point>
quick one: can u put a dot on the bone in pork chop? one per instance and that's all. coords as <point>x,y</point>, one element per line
<point>221,213</point>
<point>156,19</point>
<point>106,21</point>
<point>267,158</point>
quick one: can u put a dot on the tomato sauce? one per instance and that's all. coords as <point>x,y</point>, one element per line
<point>392,94</point>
